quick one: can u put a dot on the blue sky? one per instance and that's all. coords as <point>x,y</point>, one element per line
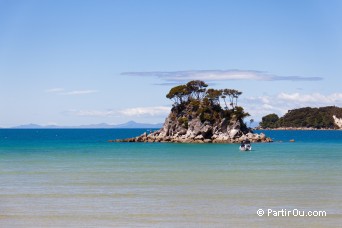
<point>86,62</point>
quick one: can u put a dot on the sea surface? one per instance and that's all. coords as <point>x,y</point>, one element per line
<point>75,178</point>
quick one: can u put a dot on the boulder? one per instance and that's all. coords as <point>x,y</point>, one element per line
<point>199,137</point>
<point>233,133</point>
<point>207,131</point>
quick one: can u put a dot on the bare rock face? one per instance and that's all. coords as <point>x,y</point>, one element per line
<point>337,121</point>
<point>196,131</point>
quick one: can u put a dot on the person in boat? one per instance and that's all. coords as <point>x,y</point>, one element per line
<point>242,144</point>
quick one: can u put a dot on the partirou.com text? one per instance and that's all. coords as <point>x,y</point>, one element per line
<point>287,213</point>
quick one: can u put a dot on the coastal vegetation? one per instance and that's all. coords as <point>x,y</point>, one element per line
<point>194,99</point>
<point>316,118</point>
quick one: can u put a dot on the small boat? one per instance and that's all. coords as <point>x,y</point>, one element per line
<point>245,145</point>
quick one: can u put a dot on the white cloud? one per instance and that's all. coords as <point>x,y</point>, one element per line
<point>219,75</point>
<point>260,106</point>
<point>146,111</point>
<point>138,111</point>
<point>62,91</point>
<point>54,90</point>
<point>80,92</point>
<point>312,98</point>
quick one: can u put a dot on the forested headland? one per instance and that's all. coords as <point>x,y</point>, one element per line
<point>311,118</point>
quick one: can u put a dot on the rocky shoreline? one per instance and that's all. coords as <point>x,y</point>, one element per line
<point>154,137</point>
<point>297,129</point>
<point>199,133</point>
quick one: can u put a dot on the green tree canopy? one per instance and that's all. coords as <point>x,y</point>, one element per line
<point>196,88</point>
<point>178,93</point>
<point>214,95</point>
<point>194,98</point>
<point>269,121</point>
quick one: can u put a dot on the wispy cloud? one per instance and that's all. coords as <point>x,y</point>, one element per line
<point>146,111</point>
<point>138,111</point>
<point>62,91</point>
<point>314,98</point>
<point>93,113</point>
<point>79,92</point>
<point>218,75</point>
<point>54,90</point>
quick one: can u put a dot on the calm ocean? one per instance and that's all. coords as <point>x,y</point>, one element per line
<point>75,178</point>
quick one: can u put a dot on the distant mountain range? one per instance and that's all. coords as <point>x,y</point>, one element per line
<point>130,124</point>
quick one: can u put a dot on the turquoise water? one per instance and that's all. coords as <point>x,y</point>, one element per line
<point>75,178</point>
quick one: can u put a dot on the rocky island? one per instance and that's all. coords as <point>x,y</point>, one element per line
<point>198,117</point>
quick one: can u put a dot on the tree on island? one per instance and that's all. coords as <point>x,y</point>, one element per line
<point>195,99</point>
<point>196,88</point>
<point>250,122</point>
<point>269,121</point>
<point>231,94</point>
<point>214,96</point>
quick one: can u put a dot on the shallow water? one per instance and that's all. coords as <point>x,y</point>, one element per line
<point>75,178</point>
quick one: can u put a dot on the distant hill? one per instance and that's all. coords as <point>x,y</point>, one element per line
<point>130,124</point>
<point>28,126</point>
<point>316,118</point>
